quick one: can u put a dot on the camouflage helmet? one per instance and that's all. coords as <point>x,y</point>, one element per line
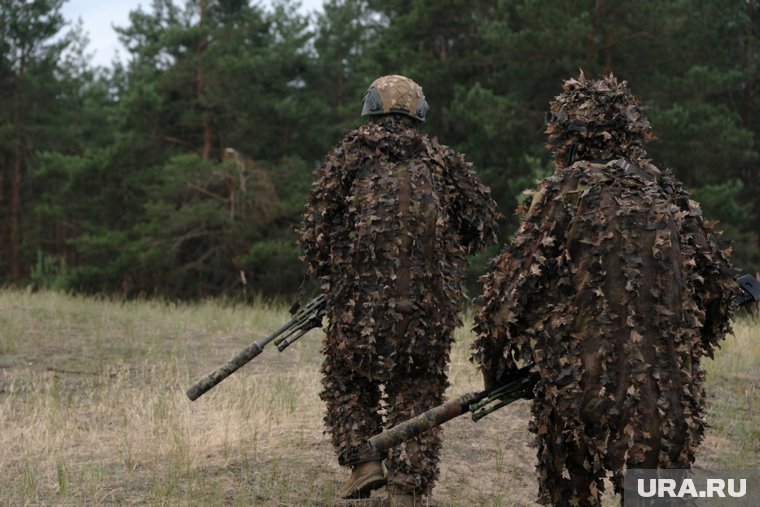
<point>395,94</point>
<point>596,119</point>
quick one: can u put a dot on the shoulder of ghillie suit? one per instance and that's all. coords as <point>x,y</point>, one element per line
<point>596,119</point>
<point>595,171</point>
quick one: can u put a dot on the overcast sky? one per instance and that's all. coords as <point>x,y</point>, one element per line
<point>99,18</point>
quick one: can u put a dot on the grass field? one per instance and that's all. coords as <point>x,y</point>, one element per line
<point>93,411</point>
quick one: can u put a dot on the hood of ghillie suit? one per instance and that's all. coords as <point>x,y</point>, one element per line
<point>596,119</point>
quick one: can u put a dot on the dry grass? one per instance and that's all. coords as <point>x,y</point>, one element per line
<point>93,411</point>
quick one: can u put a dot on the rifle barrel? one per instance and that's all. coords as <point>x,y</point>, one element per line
<point>212,379</point>
<point>402,432</point>
<point>305,319</point>
<point>233,364</point>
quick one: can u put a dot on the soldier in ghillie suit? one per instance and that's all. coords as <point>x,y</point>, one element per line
<point>391,217</point>
<point>615,288</point>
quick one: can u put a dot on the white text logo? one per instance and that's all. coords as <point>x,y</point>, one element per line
<point>662,488</point>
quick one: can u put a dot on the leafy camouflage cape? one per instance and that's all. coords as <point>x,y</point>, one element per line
<point>615,288</point>
<point>391,217</point>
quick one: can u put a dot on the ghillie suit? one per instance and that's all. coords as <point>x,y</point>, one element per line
<point>390,219</point>
<point>614,287</point>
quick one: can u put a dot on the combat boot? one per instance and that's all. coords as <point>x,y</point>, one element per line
<point>364,478</point>
<point>398,497</point>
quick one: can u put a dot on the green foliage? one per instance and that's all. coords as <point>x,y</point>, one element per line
<point>345,36</point>
<point>33,106</point>
<point>47,273</point>
<point>478,265</point>
<point>724,203</point>
<point>199,220</point>
<point>273,267</point>
<point>120,179</point>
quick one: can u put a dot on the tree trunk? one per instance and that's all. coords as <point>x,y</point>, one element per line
<point>750,87</point>
<point>208,128</point>
<point>14,225</point>
<point>607,52</point>
<point>4,253</point>
<point>15,209</point>
<point>596,54</point>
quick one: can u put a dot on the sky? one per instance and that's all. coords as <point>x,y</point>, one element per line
<point>99,18</point>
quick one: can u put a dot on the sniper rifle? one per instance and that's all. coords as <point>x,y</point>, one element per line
<point>511,387</point>
<point>304,320</point>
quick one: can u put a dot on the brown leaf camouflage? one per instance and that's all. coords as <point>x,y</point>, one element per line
<point>391,217</point>
<point>616,288</point>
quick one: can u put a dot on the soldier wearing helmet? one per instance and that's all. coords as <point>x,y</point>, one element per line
<point>614,288</point>
<point>390,219</point>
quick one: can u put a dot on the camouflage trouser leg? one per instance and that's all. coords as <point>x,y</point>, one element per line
<point>353,404</point>
<point>567,476</point>
<point>413,465</point>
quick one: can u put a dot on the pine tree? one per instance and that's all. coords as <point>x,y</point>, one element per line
<point>33,87</point>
